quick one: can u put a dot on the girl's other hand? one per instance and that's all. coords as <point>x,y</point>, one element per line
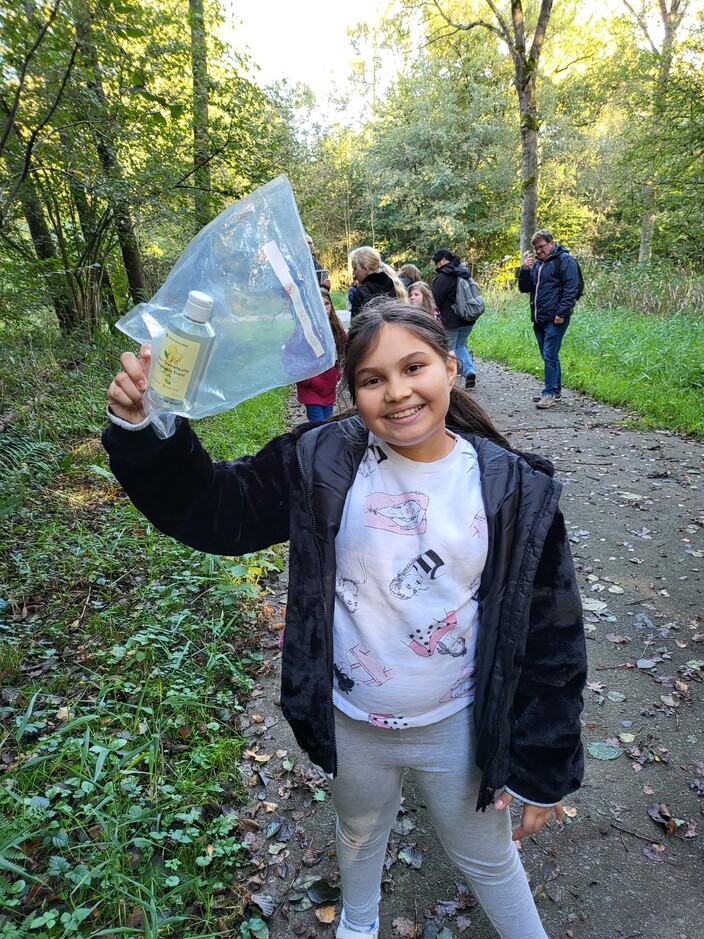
<point>126,391</point>
<point>534,817</point>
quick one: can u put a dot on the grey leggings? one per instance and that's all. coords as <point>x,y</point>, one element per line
<point>367,796</point>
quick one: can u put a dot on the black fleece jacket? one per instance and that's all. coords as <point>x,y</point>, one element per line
<point>445,293</point>
<point>531,657</point>
<point>377,284</point>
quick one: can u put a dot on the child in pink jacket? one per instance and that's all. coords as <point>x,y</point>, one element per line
<point>320,392</point>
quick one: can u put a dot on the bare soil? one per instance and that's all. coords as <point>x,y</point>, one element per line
<point>629,863</point>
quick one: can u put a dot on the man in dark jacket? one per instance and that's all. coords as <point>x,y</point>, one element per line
<point>320,272</point>
<point>449,268</point>
<point>551,277</point>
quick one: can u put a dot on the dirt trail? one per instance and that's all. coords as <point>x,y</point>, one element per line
<point>634,505</point>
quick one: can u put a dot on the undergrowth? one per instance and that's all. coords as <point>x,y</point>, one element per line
<point>650,364</point>
<point>125,660</point>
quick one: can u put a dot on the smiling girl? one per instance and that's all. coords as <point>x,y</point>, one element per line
<point>462,659</point>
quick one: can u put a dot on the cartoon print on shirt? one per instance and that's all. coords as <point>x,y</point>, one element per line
<point>347,589</point>
<point>479,527</point>
<point>462,687</point>
<point>359,658</point>
<point>437,638</point>
<point>472,461</point>
<point>416,574</point>
<point>402,514</point>
<point>373,457</point>
<point>473,588</point>
<point>387,720</point>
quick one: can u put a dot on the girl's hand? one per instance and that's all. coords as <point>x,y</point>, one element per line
<point>125,394</point>
<point>534,817</point>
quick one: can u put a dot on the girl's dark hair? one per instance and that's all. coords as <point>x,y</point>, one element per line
<point>338,330</point>
<point>463,413</point>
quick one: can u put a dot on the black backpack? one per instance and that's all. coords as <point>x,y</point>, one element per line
<point>469,303</point>
<point>580,278</point>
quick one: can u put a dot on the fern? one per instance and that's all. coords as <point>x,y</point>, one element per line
<point>23,460</point>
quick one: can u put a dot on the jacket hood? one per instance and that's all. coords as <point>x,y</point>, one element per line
<point>381,278</point>
<point>454,270</point>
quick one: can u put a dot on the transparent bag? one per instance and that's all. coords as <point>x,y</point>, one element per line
<point>271,327</point>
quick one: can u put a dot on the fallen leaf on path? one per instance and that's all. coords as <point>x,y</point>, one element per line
<point>411,855</point>
<point>326,914</point>
<point>661,815</point>
<point>604,751</point>
<point>619,640</point>
<point>690,829</point>
<point>654,851</point>
<point>404,927</point>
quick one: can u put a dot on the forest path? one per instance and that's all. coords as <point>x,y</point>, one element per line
<point>634,507</point>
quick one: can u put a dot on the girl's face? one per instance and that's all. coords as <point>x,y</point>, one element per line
<point>402,390</point>
<point>327,303</point>
<point>415,297</point>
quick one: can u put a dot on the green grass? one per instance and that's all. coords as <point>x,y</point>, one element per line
<point>125,661</point>
<point>652,365</point>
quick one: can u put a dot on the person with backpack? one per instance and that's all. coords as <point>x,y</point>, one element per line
<point>448,270</point>
<point>554,281</point>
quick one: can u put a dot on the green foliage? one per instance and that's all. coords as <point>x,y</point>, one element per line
<point>126,660</point>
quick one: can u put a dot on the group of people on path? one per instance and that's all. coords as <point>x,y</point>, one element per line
<point>433,622</point>
<point>549,274</point>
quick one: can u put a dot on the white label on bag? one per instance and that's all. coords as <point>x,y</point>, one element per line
<point>281,269</point>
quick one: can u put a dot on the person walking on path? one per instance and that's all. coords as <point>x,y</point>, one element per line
<point>448,269</point>
<point>319,393</point>
<point>418,637</point>
<point>551,277</point>
<point>373,278</point>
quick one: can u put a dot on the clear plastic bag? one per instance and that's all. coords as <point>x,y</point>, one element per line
<point>268,315</point>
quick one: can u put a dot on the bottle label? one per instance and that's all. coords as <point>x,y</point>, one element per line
<point>176,359</point>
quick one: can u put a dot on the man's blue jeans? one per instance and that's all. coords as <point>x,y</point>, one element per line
<point>457,343</point>
<point>549,336</point>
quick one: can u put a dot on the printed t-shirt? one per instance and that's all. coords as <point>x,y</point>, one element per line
<point>411,549</point>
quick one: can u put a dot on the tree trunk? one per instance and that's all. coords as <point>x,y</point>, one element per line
<point>529,164</point>
<point>201,143</point>
<point>124,226</point>
<point>61,297</point>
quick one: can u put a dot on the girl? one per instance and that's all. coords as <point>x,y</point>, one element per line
<point>318,394</point>
<point>373,279</point>
<point>462,657</point>
<point>421,295</point>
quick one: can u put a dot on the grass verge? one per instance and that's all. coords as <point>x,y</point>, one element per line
<point>651,365</point>
<point>125,660</point>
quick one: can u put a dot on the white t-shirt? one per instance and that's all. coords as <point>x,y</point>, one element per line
<point>411,549</point>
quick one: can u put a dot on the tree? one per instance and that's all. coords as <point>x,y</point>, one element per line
<point>201,155</point>
<point>512,32</point>
<point>670,19</point>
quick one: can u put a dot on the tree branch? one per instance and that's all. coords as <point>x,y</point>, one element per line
<point>12,112</point>
<point>465,27</point>
<point>643,25</point>
<point>540,30</point>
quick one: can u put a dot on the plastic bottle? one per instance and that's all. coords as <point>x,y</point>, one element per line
<point>182,356</point>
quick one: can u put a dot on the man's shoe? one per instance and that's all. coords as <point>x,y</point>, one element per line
<point>470,381</point>
<point>546,401</point>
<point>557,396</point>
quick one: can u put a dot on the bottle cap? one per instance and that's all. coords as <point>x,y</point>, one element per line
<point>198,306</point>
